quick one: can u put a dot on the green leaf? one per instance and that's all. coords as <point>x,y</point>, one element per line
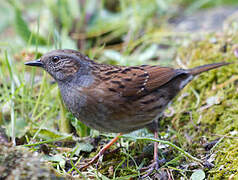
<point>23,30</point>
<point>55,158</point>
<point>21,130</point>
<point>148,54</point>
<point>81,129</point>
<point>114,55</point>
<point>198,175</point>
<point>86,147</point>
<point>47,133</point>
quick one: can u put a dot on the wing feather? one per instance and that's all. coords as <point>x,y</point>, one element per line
<point>139,80</point>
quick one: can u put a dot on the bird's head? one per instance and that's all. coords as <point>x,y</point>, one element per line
<point>62,65</point>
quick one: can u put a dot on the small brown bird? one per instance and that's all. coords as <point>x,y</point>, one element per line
<point>116,99</point>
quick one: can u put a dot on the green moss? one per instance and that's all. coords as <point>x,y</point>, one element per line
<point>226,160</point>
<point>210,107</point>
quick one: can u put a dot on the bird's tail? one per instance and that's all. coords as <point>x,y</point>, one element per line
<point>200,69</point>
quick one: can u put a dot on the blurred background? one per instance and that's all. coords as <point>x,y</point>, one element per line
<point>110,29</point>
<point>125,32</point>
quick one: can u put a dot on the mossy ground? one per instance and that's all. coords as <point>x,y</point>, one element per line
<point>207,107</point>
<point>202,120</point>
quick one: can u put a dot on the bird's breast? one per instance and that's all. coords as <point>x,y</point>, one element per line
<point>107,112</point>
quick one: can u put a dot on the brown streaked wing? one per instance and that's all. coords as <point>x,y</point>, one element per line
<point>147,79</point>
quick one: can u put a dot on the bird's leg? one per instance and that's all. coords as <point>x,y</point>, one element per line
<point>156,162</point>
<point>156,145</point>
<point>101,152</point>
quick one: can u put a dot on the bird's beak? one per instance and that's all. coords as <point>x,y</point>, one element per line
<point>35,63</point>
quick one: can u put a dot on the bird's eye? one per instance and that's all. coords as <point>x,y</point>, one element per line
<point>55,59</point>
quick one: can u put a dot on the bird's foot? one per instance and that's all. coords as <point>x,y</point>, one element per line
<point>91,161</point>
<point>152,167</point>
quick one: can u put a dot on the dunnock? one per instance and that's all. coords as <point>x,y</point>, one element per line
<point>116,99</point>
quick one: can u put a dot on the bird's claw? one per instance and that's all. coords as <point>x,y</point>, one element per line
<point>152,167</point>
